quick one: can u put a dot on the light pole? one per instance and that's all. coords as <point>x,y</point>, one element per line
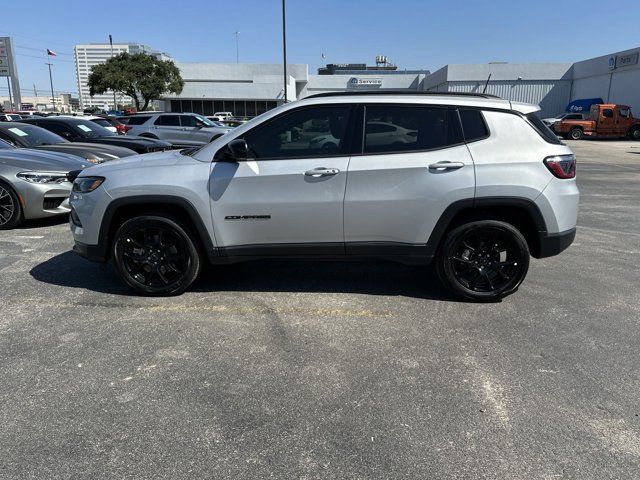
<point>236,33</point>
<point>115,104</point>
<point>284,47</point>
<point>53,98</point>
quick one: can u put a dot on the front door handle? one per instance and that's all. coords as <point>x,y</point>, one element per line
<point>444,166</point>
<point>321,172</point>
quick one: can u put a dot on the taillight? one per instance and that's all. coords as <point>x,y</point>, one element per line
<point>562,166</point>
<point>123,128</point>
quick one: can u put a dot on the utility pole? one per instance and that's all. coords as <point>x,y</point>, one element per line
<point>53,98</point>
<point>10,96</point>
<point>236,33</point>
<point>284,47</point>
<point>115,104</point>
<point>35,90</point>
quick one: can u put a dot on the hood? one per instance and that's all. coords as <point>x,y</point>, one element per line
<point>90,150</point>
<point>29,159</point>
<point>156,159</point>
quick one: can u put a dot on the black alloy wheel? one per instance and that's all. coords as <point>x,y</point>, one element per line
<point>484,261</point>
<point>155,256</point>
<point>10,208</point>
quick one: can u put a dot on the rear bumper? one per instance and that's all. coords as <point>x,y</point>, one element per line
<point>551,244</point>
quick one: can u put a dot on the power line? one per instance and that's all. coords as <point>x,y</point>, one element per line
<point>42,49</point>
<point>44,57</point>
<point>35,39</point>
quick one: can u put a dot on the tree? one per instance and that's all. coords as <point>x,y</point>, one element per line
<point>142,77</point>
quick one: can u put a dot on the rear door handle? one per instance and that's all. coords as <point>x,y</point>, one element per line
<point>444,166</point>
<point>322,172</point>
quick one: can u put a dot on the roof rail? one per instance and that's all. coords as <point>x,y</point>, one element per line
<point>401,92</point>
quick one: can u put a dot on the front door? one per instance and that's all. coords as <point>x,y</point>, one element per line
<point>287,198</point>
<point>606,122</point>
<point>195,131</point>
<point>168,128</point>
<point>414,163</point>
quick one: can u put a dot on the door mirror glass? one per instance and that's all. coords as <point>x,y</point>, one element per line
<point>235,151</point>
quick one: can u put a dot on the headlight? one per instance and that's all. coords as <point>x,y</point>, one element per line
<point>87,184</point>
<point>43,177</point>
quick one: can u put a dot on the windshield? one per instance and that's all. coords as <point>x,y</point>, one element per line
<point>91,130</point>
<point>32,136</point>
<point>205,120</point>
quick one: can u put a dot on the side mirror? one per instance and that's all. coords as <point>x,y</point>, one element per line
<point>236,150</point>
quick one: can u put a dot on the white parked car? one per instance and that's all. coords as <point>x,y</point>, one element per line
<point>472,182</point>
<point>221,116</point>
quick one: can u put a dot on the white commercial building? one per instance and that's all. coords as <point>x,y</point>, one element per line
<point>250,89</point>
<point>88,55</point>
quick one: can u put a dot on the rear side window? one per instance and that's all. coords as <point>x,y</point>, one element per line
<point>137,120</point>
<point>544,131</point>
<point>473,125</point>
<point>167,120</point>
<point>397,129</point>
<point>607,112</point>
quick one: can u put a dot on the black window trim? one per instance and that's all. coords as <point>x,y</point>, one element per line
<point>348,141</point>
<point>361,153</point>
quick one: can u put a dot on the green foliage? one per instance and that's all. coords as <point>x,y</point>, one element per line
<point>140,76</point>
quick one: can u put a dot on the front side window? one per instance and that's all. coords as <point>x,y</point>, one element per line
<point>390,129</point>
<point>168,120</point>
<point>306,132</point>
<point>195,121</point>
<point>624,112</point>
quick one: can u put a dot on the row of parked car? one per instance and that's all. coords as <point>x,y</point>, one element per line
<point>40,156</point>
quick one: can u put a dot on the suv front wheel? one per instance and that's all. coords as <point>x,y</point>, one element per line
<point>154,255</point>
<point>484,260</point>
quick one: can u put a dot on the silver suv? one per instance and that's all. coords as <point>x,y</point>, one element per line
<point>474,183</point>
<point>179,129</point>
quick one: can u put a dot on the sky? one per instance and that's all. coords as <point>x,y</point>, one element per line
<point>414,34</point>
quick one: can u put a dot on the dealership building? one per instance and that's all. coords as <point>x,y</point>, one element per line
<point>250,89</point>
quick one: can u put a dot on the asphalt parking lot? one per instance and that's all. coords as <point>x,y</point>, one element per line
<point>322,370</point>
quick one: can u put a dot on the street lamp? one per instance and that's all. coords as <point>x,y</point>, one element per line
<point>236,33</point>
<point>115,104</point>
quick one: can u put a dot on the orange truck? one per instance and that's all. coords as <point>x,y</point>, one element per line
<point>605,120</point>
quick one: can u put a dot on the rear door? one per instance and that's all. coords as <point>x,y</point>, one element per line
<point>287,198</point>
<point>399,185</point>
<point>167,127</point>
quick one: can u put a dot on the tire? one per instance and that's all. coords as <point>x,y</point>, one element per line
<point>483,261</point>
<point>155,255</point>
<point>634,134</point>
<point>11,214</point>
<point>576,134</point>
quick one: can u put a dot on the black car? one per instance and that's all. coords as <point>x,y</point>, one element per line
<point>80,130</point>
<point>25,135</point>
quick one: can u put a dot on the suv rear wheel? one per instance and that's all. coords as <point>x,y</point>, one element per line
<point>484,260</point>
<point>154,255</point>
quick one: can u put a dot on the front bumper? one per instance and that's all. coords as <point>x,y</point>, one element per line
<point>43,200</point>
<point>95,253</point>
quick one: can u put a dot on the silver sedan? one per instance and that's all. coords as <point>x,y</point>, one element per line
<point>34,184</point>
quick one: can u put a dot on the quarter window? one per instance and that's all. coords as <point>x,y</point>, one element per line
<point>307,132</point>
<point>473,125</point>
<point>168,120</point>
<point>396,129</point>
<point>135,120</point>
